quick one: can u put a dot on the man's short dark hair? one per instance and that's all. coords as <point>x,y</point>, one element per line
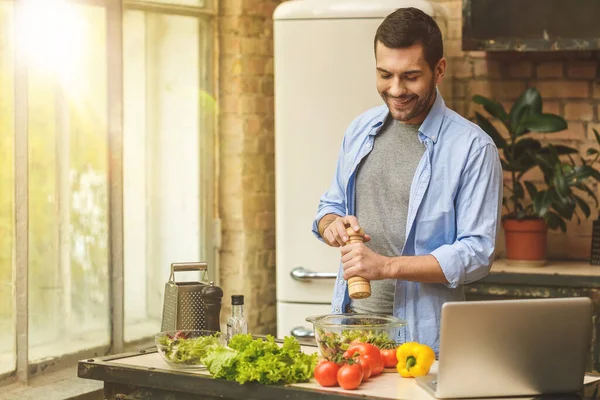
<point>408,26</point>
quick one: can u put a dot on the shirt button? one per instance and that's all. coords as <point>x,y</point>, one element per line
<point>337,309</point>
<point>434,137</point>
<point>341,281</point>
<point>368,145</point>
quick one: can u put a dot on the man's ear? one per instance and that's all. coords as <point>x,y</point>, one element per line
<point>440,71</point>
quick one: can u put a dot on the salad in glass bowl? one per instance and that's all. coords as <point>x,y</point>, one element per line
<point>334,333</point>
<point>187,348</point>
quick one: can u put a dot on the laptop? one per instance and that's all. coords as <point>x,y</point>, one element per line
<point>498,348</point>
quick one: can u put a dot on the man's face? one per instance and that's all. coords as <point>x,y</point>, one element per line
<point>406,83</point>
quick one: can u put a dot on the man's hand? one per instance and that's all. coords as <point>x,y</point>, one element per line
<point>333,229</point>
<point>359,260</point>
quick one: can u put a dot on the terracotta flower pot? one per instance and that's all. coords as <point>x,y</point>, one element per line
<point>525,241</point>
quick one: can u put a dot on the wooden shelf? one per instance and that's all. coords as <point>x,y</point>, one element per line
<point>564,268</point>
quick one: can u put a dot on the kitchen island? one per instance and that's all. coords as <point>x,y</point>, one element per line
<point>145,375</point>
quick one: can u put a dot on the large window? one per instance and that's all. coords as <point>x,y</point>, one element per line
<point>165,69</point>
<point>108,202</point>
<point>7,326</point>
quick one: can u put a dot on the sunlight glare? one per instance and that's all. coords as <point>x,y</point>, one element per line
<point>53,35</point>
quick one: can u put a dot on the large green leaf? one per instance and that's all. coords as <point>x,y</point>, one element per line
<point>522,155</point>
<point>560,150</point>
<point>490,130</point>
<point>555,221</point>
<point>542,203</point>
<point>545,161</point>
<point>560,182</point>
<point>564,205</point>
<point>530,101</point>
<point>589,191</point>
<point>531,189</point>
<point>583,205</point>
<point>597,135</point>
<point>542,123</point>
<point>526,145</point>
<point>579,173</point>
<point>493,107</point>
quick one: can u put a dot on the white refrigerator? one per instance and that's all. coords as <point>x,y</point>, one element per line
<point>324,78</point>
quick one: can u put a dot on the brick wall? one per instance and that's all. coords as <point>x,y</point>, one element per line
<point>246,194</point>
<point>568,84</point>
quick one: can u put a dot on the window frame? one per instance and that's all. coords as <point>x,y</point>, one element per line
<point>210,224</point>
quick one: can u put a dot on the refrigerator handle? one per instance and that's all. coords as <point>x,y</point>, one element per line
<point>301,332</point>
<point>302,274</point>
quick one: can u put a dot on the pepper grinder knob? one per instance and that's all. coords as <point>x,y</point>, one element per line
<point>358,287</point>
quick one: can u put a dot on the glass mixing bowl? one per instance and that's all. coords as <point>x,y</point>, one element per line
<point>335,332</point>
<point>185,348</point>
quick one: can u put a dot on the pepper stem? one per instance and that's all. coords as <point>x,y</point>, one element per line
<point>411,361</point>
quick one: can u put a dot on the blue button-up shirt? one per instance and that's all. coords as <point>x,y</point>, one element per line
<point>453,214</point>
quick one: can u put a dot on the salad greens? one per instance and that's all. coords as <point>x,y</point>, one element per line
<point>264,361</point>
<point>245,359</point>
<point>333,345</point>
<point>188,351</point>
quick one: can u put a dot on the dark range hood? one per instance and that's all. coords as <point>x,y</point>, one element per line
<point>531,25</point>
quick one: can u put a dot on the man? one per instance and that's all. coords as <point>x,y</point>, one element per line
<point>423,182</point>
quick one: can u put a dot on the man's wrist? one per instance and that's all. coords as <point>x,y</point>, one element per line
<point>391,267</point>
<point>325,221</point>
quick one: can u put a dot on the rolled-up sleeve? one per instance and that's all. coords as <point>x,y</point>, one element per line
<point>478,205</point>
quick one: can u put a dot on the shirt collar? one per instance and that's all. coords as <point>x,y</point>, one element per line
<point>431,124</point>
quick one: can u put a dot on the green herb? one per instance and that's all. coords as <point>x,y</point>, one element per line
<point>333,345</point>
<point>263,361</point>
<point>188,351</point>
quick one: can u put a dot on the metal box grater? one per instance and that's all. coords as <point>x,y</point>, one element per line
<point>191,305</point>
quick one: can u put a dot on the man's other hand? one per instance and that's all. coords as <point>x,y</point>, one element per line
<point>333,228</point>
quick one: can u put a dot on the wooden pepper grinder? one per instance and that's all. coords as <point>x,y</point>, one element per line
<point>358,288</point>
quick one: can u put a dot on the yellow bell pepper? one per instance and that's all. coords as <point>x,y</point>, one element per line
<point>414,359</point>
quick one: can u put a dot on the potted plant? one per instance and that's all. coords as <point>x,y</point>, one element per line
<point>530,209</point>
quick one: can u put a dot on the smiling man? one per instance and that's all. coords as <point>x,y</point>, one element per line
<point>423,182</point>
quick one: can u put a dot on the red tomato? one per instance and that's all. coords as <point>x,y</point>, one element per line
<point>376,363</point>
<point>367,350</point>
<point>326,373</point>
<point>362,349</point>
<point>366,364</point>
<point>389,357</point>
<point>321,361</point>
<point>350,376</point>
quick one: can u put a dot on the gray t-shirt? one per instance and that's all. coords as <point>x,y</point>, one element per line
<point>383,183</point>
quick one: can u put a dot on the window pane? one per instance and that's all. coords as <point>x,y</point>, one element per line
<point>7,333</point>
<point>68,254</point>
<point>162,187</point>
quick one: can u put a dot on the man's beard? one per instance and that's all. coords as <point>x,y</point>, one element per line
<point>421,103</point>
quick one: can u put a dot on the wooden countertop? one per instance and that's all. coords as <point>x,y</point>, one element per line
<point>388,385</point>
<point>147,369</point>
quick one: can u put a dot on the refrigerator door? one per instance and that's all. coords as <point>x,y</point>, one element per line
<point>292,319</point>
<point>325,77</point>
